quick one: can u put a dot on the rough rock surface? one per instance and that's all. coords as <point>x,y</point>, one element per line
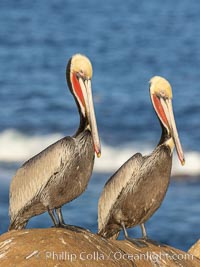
<point>64,247</point>
<point>195,249</point>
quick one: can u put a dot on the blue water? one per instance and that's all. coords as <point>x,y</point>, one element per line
<point>128,43</point>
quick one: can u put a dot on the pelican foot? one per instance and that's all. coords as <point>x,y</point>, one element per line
<point>72,227</point>
<point>137,242</point>
<point>153,242</point>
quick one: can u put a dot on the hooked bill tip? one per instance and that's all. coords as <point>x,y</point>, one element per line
<point>97,150</point>
<point>183,162</point>
<point>98,154</point>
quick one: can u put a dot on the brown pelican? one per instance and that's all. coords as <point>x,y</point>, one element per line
<point>61,172</point>
<point>132,195</point>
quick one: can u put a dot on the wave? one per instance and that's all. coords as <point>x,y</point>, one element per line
<point>17,147</point>
<point>112,158</point>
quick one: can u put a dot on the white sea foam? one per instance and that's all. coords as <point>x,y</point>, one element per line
<point>16,147</point>
<point>112,158</point>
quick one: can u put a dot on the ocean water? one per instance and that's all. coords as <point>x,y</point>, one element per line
<point>128,43</point>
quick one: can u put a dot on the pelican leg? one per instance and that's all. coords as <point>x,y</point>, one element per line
<point>147,239</point>
<point>60,218</point>
<point>53,217</point>
<point>63,224</point>
<point>144,232</point>
<point>134,241</point>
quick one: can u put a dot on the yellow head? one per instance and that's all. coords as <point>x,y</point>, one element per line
<point>161,87</point>
<point>81,65</point>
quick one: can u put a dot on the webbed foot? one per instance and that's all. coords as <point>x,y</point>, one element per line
<point>137,242</point>
<point>153,242</point>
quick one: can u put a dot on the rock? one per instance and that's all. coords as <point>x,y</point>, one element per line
<point>195,249</point>
<point>63,247</point>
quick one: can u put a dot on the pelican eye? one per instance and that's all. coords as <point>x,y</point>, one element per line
<point>162,94</point>
<point>81,75</point>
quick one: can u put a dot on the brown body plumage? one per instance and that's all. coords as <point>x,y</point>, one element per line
<point>61,172</point>
<point>137,189</point>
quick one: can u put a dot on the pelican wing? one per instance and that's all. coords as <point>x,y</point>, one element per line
<point>114,187</point>
<point>34,174</point>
